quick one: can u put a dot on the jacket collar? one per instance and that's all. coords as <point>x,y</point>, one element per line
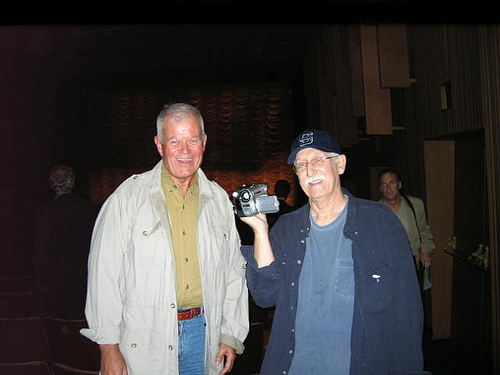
<point>206,192</point>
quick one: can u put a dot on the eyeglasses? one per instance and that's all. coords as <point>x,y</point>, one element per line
<point>302,165</point>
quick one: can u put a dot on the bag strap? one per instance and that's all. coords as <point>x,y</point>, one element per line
<point>413,210</point>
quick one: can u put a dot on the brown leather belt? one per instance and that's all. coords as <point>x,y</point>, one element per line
<point>188,314</point>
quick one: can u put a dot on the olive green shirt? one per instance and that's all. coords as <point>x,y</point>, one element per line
<point>184,217</point>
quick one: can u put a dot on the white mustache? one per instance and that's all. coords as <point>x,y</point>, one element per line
<point>315,179</point>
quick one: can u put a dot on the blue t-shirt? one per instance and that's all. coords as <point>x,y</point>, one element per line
<point>326,302</point>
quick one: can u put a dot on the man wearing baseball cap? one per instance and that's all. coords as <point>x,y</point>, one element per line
<point>340,272</point>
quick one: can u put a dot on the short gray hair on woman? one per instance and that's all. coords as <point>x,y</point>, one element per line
<point>177,112</point>
<point>62,179</point>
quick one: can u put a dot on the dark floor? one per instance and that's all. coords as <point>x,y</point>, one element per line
<point>443,357</point>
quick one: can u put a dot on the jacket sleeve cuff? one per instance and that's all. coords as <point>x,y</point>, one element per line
<point>232,342</point>
<point>102,336</point>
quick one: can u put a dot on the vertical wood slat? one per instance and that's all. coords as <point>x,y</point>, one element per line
<point>325,60</point>
<point>356,71</point>
<point>347,124</point>
<point>377,100</point>
<point>375,193</point>
<point>393,55</point>
<point>439,160</point>
<point>490,85</point>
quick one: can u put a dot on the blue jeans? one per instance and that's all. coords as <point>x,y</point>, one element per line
<point>192,346</point>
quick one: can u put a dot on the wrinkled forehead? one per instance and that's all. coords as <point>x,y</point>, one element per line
<point>187,125</point>
<point>388,176</point>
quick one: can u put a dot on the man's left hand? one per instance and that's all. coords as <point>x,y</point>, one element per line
<point>230,354</point>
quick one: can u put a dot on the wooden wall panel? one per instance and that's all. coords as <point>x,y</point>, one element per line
<point>334,85</point>
<point>393,55</point>
<point>377,100</point>
<point>439,177</point>
<point>356,71</point>
<point>490,85</point>
<point>347,123</point>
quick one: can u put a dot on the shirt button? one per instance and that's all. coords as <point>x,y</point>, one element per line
<point>172,305</point>
<point>302,241</point>
<point>292,284</point>
<point>133,346</point>
<point>290,351</point>
<point>145,233</point>
<point>170,347</point>
<point>299,261</point>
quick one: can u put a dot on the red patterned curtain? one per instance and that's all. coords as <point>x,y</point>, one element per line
<point>249,128</point>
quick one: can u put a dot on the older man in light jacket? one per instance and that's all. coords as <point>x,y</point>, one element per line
<point>155,275</point>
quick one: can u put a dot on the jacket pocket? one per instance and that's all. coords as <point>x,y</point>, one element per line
<point>378,281</point>
<point>219,240</point>
<point>142,350</point>
<point>146,235</point>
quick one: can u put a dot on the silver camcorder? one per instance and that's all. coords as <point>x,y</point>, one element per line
<point>253,199</point>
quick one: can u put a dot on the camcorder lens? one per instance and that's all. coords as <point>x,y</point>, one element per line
<point>245,196</point>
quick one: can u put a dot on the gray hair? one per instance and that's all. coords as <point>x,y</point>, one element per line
<point>177,112</point>
<point>62,179</point>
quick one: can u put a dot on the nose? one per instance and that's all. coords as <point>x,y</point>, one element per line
<point>184,148</point>
<point>310,169</point>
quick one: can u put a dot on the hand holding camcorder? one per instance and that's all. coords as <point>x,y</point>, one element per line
<point>250,200</point>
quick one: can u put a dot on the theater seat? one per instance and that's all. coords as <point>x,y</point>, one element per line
<point>16,283</point>
<point>68,347</point>
<point>23,340</point>
<point>60,369</point>
<point>17,304</point>
<point>25,368</point>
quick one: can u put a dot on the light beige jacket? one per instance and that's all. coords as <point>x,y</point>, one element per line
<point>418,230</point>
<point>131,298</point>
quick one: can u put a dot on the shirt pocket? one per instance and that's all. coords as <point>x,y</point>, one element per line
<point>378,280</point>
<point>344,279</point>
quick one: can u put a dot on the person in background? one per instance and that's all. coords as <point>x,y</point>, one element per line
<point>63,228</point>
<point>167,291</point>
<point>340,272</point>
<point>411,211</point>
<point>281,190</point>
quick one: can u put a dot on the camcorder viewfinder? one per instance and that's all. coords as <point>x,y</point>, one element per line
<point>252,199</point>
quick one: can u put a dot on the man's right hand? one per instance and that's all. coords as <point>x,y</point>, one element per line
<point>263,252</point>
<point>112,361</point>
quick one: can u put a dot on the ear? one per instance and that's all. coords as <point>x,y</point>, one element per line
<point>400,185</point>
<point>342,163</point>
<point>158,145</point>
<point>204,141</point>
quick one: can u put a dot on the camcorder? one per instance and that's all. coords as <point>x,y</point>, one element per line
<point>250,200</point>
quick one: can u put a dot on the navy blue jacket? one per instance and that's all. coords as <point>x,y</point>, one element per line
<point>387,325</point>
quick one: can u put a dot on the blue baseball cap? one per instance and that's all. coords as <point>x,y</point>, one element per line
<point>318,139</point>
